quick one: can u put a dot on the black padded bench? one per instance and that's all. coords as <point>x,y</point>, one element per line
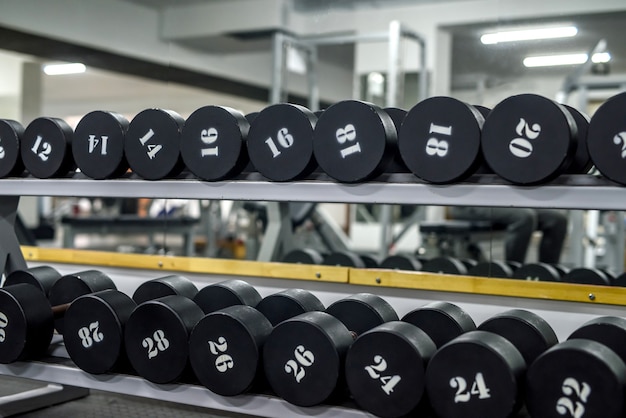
<point>129,225</point>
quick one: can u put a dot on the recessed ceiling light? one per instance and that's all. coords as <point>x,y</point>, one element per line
<point>528,34</point>
<point>565,59</point>
<point>62,69</point>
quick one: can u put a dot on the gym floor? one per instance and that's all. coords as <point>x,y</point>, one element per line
<point>104,405</point>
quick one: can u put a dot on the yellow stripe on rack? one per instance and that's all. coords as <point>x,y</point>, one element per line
<point>385,278</point>
<point>490,286</point>
<point>188,264</point>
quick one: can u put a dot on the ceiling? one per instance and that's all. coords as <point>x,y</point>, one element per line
<point>472,62</point>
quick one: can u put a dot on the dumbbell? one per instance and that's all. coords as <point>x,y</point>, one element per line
<point>397,116</point>
<point>584,376</point>
<point>606,139</point>
<point>354,141</point>
<point>445,265</point>
<point>584,275</point>
<point>385,366</point>
<point>42,277</point>
<point>344,259</point>
<point>98,145</point>
<point>46,148</point>
<point>521,131</point>
<point>303,356</point>
<point>225,346</point>
<point>620,280</point>
<point>538,272</point>
<point>213,143</point>
<point>94,323</point>
<point>28,317</point>
<point>439,140</point>
<point>481,373</point>
<point>496,269</point>
<point>401,262</point>
<point>280,142</point>
<point>152,145</point>
<point>12,134</point>
<point>303,256</point>
<point>370,261</point>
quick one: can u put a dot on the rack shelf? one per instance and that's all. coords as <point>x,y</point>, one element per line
<point>65,373</point>
<point>567,192</point>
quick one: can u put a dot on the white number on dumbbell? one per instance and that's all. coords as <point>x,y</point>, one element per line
<point>572,387</point>
<point>209,136</point>
<point>157,343</point>
<point>224,361</point>
<point>347,134</point>
<point>478,388</point>
<point>2,153</point>
<point>4,321</point>
<point>94,142</point>
<point>304,358</point>
<point>153,150</point>
<point>46,148</point>
<point>375,370</point>
<point>91,334</point>
<point>620,139</point>
<point>438,147</point>
<point>521,146</point>
<point>284,139</point>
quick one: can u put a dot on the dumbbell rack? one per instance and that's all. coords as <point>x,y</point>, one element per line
<point>570,192</point>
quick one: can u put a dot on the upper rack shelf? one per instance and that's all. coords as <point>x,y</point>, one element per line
<point>566,192</point>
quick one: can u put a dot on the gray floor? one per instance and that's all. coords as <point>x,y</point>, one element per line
<point>99,404</point>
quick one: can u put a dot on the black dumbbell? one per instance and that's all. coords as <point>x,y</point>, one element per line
<point>42,277</point>
<point>12,134</point>
<point>156,338</point>
<point>213,142</point>
<point>303,356</point>
<point>620,280</point>
<point>28,317</point>
<point>98,145</point>
<point>440,140</point>
<point>303,256</point>
<point>385,367</point>
<point>481,373</point>
<point>583,275</point>
<point>581,163</point>
<point>354,141</point>
<point>152,145</point>
<point>497,269</point>
<point>583,376</point>
<point>94,331</point>
<point>71,286</point>
<point>370,261</point>
<point>225,346</point>
<point>537,272</point>
<point>280,142</point>
<point>165,286</point>
<point>344,259</point>
<point>606,139</point>
<point>401,262</point>
<point>46,148</point>
<point>445,265</point>
<point>397,116</point>
<point>520,131</point>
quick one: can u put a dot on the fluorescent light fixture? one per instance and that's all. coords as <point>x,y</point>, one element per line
<point>62,69</point>
<point>565,59</point>
<point>529,34</point>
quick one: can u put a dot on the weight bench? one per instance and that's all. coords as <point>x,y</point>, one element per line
<point>130,225</point>
<point>458,238</point>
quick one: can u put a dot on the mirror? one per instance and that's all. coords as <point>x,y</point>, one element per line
<point>169,64</point>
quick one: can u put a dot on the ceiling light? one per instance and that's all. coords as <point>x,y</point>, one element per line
<point>528,34</point>
<point>566,59</point>
<point>62,69</point>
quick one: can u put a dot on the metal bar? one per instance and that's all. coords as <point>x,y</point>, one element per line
<point>393,64</point>
<point>313,83</point>
<point>422,85</point>
<point>345,39</point>
<point>278,65</point>
<point>566,192</point>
